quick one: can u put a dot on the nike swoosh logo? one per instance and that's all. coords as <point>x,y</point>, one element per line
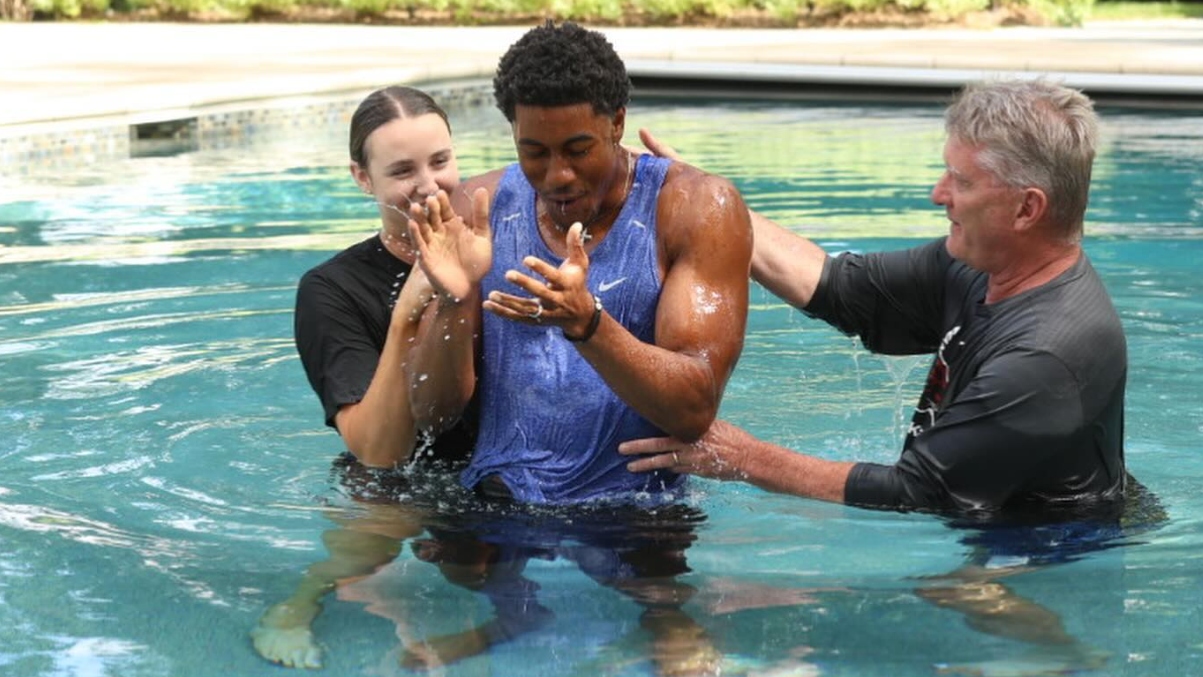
<point>607,286</point>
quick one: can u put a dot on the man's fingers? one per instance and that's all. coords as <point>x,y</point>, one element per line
<point>656,146</point>
<point>659,453</point>
<point>576,245</point>
<point>649,463</point>
<point>525,282</point>
<point>650,445</point>
<point>523,313</point>
<point>503,299</point>
<point>539,267</point>
<point>512,307</point>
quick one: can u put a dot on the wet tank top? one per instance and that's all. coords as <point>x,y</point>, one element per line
<point>549,425</point>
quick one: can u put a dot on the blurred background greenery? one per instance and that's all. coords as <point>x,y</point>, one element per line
<point>744,13</point>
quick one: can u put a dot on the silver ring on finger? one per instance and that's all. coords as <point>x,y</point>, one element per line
<point>676,459</point>
<point>538,312</point>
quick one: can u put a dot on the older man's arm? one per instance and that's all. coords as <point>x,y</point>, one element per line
<point>727,452</point>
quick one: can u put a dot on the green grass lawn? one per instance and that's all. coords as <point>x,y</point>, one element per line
<point>1146,10</point>
<point>629,12</point>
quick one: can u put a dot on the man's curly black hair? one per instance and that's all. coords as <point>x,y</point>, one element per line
<point>561,66</point>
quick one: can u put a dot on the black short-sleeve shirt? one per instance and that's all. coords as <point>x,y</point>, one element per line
<point>1023,406</point>
<point>343,309</point>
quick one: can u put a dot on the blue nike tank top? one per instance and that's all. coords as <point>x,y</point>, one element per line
<point>549,425</point>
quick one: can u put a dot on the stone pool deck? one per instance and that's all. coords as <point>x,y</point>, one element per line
<point>73,88</point>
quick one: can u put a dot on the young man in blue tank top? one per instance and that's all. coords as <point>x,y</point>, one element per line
<point>617,297</point>
<point>615,307</point>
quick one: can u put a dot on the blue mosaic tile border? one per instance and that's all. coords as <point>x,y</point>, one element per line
<point>51,147</point>
<point>65,147</point>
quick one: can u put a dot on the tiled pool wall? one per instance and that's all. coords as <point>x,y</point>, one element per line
<point>48,146</point>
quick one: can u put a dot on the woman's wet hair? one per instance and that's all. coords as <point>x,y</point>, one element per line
<point>383,106</point>
<point>561,66</point>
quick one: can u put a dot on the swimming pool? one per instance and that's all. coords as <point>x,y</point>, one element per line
<point>166,476</point>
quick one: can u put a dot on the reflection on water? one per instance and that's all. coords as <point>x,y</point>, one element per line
<point>166,477</point>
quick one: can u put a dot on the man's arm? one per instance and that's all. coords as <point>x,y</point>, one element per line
<point>785,263</point>
<point>705,242</point>
<point>730,453</point>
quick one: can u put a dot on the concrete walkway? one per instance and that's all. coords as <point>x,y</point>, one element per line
<point>57,73</point>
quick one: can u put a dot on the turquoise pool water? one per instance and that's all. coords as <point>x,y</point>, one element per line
<point>166,477</point>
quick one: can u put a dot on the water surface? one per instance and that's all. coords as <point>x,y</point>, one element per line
<point>166,474</point>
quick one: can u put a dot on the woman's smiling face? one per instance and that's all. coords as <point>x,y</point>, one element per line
<point>407,159</point>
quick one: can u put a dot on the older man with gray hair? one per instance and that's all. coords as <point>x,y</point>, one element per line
<point>1023,408</point>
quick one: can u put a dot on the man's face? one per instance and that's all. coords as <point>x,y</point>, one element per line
<point>569,155</point>
<point>982,210</point>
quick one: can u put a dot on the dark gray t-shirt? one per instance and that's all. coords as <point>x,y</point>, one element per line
<point>1023,407</point>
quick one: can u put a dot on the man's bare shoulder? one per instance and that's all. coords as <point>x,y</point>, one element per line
<point>693,197</point>
<point>487,180</point>
<point>461,199</point>
<point>684,173</point>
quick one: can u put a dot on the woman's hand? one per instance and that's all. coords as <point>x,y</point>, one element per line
<point>453,255</point>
